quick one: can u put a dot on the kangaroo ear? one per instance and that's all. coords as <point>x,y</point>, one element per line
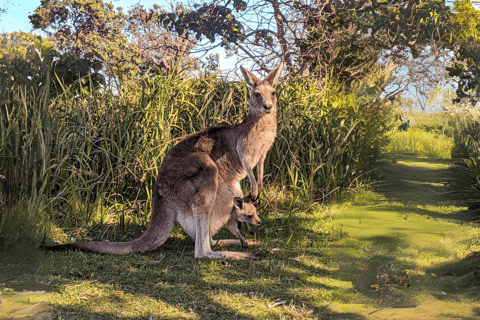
<point>274,75</point>
<point>250,79</point>
<point>238,202</point>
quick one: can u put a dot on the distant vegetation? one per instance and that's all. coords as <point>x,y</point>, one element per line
<point>428,134</point>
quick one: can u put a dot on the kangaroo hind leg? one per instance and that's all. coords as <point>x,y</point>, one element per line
<point>203,200</point>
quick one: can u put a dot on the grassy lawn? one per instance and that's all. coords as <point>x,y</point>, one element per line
<point>378,255</point>
<point>291,281</point>
<point>393,254</point>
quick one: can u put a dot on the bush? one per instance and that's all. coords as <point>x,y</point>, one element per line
<point>420,141</point>
<point>83,150</point>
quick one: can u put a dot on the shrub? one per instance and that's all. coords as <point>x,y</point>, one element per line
<point>83,150</point>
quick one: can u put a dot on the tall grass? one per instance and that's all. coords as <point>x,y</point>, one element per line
<point>420,141</point>
<point>467,149</point>
<point>70,157</point>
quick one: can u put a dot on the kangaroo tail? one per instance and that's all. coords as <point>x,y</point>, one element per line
<point>158,231</point>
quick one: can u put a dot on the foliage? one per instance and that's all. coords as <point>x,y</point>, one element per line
<point>363,31</point>
<point>466,148</point>
<point>21,58</point>
<point>81,152</point>
<point>265,32</point>
<point>466,137</point>
<point>80,26</point>
<point>419,141</point>
<point>25,58</point>
<point>439,123</point>
<point>156,43</point>
<point>465,43</point>
<point>130,44</point>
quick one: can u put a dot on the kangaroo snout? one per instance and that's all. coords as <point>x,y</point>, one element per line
<point>268,108</point>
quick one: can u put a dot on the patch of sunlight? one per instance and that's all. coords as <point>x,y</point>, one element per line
<point>99,300</point>
<point>427,307</point>
<point>312,262</point>
<point>340,284</point>
<point>257,305</point>
<point>23,305</point>
<point>424,183</point>
<point>426,164</point>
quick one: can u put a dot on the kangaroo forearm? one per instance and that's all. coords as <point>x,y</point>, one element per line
<point>260,172</point>
<point>253,182</point>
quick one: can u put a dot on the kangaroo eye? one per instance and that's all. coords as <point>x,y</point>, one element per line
<point>257,94</point>
<point>274,93</point>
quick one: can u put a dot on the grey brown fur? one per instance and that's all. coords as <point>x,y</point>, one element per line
<point>243,211</point>
<point>201,175</point>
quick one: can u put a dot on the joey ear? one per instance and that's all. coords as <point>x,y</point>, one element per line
<point>274,75</point>
<point>238,202</point>
<point>250,79</point>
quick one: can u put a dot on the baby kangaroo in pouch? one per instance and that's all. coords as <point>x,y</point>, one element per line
<point>243,211</point>
<point>200,178</point>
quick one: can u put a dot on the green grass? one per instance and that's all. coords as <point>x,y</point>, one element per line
<point>169,283</point>
<point>390,253</point>
<point>368,257</point>
<point>383,243</point>
<point>420,141</point>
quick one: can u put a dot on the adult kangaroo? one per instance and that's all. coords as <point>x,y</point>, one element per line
<point>200,177</point>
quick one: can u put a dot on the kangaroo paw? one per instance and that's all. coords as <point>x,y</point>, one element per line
<point>253,196</point>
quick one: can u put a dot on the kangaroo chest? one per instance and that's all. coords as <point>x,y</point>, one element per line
<point>256,143</point>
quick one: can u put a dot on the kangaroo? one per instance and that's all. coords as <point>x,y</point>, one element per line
<point>200,177</point>
<point>243,211</point>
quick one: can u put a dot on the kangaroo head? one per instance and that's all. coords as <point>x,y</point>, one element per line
<point>263,98</point>
<point>246,211</point>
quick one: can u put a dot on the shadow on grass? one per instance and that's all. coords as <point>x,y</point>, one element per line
<point>21,266</point>
<point>170,283</point>
<point>460,276</point>
<point>420,181</point>
<point>433,212</point>
<point>389,243</point>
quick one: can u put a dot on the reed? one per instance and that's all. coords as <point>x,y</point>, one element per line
<point>76,154</point>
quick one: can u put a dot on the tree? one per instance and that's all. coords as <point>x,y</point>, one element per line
<point>158,47</point>
<point>465,43</point>
<point>130,43</point>
<point>316,37</point>
<point>78,26</point>
<point>368,32</point>
<point>26,59</point>
<point>264,32</point>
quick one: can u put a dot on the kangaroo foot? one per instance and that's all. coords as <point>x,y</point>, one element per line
<point>240,255</point>
<point>236,242</point>
<point>214,255</point>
